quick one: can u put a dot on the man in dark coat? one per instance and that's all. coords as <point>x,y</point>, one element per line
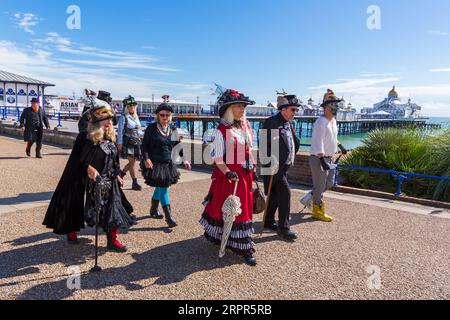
<point>281,127</point>
<point>34,119</point>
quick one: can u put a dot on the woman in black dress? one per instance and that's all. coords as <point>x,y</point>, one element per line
<point>96,156</point>
<point>158,166</point>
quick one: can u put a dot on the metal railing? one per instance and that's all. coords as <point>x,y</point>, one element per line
<point>399,175</point>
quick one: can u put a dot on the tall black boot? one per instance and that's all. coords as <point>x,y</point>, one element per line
<point>38,152</point>
<point>154,210</point>
<point>168,214</point>
<point>136,186</point>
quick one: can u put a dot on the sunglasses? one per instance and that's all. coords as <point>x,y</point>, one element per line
<point>293,109</point>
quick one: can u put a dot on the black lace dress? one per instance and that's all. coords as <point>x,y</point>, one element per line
<point>104,157</point>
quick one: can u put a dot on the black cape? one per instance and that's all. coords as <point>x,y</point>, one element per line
<point>65,213</point>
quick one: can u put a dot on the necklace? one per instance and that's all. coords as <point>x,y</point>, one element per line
<point>164,131</point>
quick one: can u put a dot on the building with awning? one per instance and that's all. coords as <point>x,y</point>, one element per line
<point>17,90</point>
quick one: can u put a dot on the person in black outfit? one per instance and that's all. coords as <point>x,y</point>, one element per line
<point>34,119</point>
<point>289,144</point>
<point>158,167</point>
<point>68,210</point>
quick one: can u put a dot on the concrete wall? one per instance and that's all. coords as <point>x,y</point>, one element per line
<point>50,136</point>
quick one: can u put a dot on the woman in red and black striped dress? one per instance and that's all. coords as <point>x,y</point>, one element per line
<point>234,163</point>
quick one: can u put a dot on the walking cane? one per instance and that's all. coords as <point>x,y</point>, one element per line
<point>98,185</point>
<point>267,205</point>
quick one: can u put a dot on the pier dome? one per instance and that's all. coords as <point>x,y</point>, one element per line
<point>393,93</point>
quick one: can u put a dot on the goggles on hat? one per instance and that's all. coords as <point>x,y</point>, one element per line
<point>104,112</point>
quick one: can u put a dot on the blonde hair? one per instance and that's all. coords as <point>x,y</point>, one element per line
<point>228,117</point>
<point>127,112</point>
<point>96,133</point>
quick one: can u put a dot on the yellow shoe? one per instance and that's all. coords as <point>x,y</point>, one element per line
<point>319,214</point>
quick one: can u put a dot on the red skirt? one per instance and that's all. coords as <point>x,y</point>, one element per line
<point>212,219</point>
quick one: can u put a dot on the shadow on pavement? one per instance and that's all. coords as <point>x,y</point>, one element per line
<point>296,219</point>
<point>24,261</point>
<point>26,197</point>
<point>12,158</point>
<point>170,264</point>
<point>32,239</point>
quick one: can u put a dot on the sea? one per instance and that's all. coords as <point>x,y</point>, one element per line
<point>356,140</point>
<point>349,141</point>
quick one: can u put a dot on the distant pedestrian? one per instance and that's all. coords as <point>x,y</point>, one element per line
<point>33,119</point>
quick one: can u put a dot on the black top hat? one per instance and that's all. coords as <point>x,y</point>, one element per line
<point>231,97</point>
<point>35,100</point>
<point>288,100</point>
<point>104,96</point>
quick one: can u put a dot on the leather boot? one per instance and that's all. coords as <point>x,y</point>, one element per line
<point>136,186</point>
<point>250,259</point>
<point>154,210</point>
<point>28,149</point>
<point>168,214</point>
<point>38,152</point>
<point>72,238</point>
<point>113,243</point>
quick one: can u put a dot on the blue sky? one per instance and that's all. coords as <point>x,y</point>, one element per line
<point>257,46</point>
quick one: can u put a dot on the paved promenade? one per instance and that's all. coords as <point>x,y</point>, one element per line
<point>375,249</point>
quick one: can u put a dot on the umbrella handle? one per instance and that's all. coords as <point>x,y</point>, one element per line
<point>235,188</point>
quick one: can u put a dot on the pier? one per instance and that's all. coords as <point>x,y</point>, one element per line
<point>198,124</point>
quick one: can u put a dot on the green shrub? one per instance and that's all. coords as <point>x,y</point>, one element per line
<point>406,151</point>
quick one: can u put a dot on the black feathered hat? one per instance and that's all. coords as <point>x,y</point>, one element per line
<point>231,97</point>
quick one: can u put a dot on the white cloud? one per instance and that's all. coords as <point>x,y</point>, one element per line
<point>53,38</point>
<point>118,65</point>
<point>114,75</point>
<point>26,21</point>
<point>440,70</point>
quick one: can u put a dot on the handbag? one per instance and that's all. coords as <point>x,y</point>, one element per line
<point>259,200</point>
